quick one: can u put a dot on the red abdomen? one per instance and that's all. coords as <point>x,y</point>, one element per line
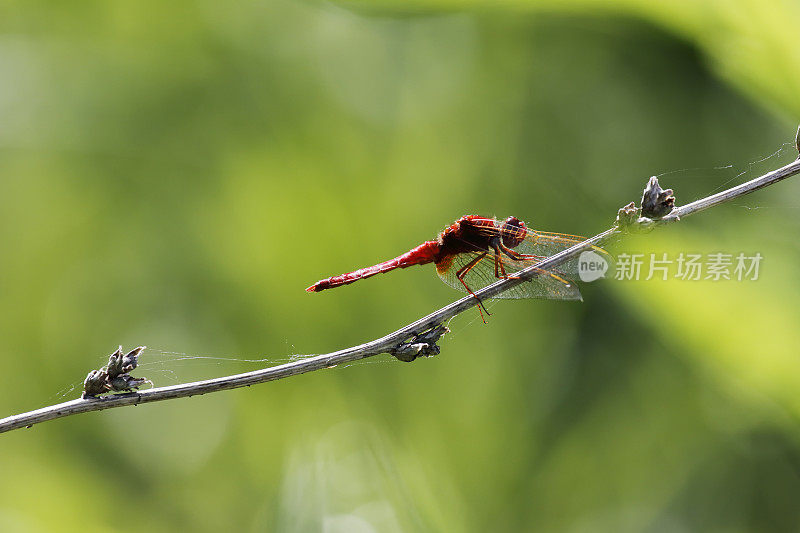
<point>422,254</point>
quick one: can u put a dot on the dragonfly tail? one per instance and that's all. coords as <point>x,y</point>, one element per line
<point>422,254</point>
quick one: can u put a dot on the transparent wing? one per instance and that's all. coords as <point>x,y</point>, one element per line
<point>544,244</point>
<point>550,285</point>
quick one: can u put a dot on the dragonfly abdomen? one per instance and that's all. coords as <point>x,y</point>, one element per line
<point>421,255</point>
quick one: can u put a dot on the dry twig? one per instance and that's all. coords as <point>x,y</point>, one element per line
<point>418,338</point>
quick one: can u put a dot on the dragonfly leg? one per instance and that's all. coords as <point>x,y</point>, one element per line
<point>516,256</point>
<point>463,271</point>
<point>499,266</point>
<point>497,262</point>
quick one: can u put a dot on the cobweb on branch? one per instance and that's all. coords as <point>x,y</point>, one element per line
<point>748,171</point>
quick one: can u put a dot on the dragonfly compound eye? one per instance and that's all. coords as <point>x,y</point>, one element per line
<point>513,231</point>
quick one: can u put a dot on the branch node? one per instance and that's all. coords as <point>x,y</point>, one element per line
<point>627,216</point>
<point>422,345</point>
<point>629,220</point>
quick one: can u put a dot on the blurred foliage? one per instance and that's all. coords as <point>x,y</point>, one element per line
<point>174,174</point>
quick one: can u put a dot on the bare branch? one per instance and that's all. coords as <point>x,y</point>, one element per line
<point>418,338</point>
<point>735,192</point>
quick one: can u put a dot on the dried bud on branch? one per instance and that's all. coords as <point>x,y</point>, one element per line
<point>656,202</point>
<point>423,345</point>
<point>96,383</point>
<point>114,376</point>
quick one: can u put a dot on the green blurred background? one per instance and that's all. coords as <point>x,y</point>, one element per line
<point>174,174</point>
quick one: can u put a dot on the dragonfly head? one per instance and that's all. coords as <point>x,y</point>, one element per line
<point>513,231</point>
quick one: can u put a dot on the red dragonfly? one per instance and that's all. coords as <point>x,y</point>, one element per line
<point>476,251</point>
